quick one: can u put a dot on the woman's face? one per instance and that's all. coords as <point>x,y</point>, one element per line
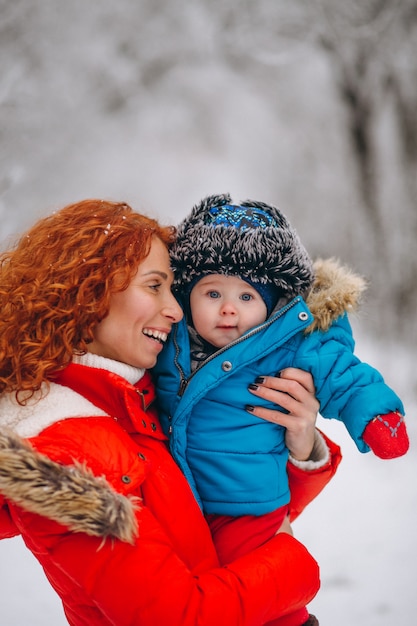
<point>140,317</point>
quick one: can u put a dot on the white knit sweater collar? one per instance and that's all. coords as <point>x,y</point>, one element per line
<point>130,373</point>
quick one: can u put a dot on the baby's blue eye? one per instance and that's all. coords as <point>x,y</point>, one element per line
<point>214,294</point>
<point>246,297</point>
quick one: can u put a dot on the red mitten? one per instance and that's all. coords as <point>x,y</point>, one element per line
<point>386,435</point>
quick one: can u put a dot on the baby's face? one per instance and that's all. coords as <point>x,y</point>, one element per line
<point>224,308</point>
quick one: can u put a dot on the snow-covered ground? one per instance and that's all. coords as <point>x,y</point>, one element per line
<point>362,530</point>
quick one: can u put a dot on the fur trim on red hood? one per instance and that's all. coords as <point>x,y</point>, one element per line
<point>70,495</point>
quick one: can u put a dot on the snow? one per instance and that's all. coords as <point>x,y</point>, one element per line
<point>361,530</point>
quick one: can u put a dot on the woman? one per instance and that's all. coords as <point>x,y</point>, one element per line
<point>96,495</point>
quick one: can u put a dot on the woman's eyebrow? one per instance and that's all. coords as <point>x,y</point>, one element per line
<point>161,274</point>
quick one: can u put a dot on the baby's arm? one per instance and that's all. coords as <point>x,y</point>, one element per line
<point>354,392</point>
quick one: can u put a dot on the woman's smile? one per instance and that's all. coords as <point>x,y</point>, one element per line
<point>140,317</point>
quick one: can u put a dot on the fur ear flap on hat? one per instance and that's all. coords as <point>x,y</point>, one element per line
<point>252,240</point>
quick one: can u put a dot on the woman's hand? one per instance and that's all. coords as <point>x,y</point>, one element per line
<point>293,390</point>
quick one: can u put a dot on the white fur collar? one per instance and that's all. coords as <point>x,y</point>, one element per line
<point>40,412</point>
<point>60,402</point>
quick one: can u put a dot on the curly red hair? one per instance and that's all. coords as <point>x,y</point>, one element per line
<point>55,285</point>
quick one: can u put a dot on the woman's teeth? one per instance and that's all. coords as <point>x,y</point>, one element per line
<point>156,334</point>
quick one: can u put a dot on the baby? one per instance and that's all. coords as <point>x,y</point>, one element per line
<point>255,304</point>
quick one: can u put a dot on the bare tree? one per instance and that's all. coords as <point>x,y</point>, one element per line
<point>373,47</point>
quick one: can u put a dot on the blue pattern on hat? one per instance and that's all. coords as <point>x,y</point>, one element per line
<point>242,217</point>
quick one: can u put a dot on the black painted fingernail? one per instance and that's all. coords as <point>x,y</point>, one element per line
<point>253,386</point>
<point>249,407</point>
<point>260,379</point>
<point>278,374</point>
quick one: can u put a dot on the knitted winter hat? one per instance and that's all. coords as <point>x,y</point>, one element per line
<point>252,240</point>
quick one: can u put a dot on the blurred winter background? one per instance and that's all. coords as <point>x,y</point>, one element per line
<point>308,105</point>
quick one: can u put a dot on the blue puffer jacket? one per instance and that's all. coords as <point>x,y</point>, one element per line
<point>234,461</point>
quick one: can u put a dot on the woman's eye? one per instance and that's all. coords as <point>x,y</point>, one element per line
<point>246,297</point>
<point>155,287</point>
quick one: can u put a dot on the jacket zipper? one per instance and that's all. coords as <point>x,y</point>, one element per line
<point>184,382</point>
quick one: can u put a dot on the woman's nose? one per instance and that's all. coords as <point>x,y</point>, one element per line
<point>173,309</point>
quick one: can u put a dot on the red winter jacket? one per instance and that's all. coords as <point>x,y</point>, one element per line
<point>169,573</point>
